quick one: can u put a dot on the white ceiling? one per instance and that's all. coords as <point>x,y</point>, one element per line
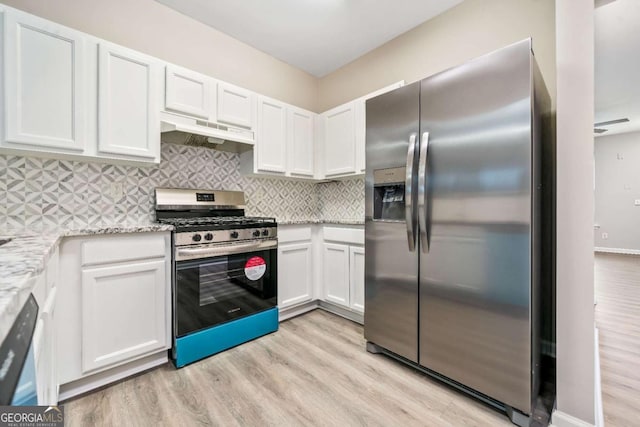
<point>318,36</point>
<point>617,65</point>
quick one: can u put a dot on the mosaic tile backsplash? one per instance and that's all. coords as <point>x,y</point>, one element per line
<point>341,200</point>
<point>45,194</point>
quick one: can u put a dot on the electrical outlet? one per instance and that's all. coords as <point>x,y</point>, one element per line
<point>605,236</point>
<point>637,202</point>
<point>116,190</point>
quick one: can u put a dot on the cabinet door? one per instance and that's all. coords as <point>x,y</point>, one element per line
<point>335,264</point>
<point>235,105</point>
<point>123,312</point>
<point>128,109</point>
<point>187,92</point>
<point>271,143</point>
<point>361,130</point>
<point>300,142</point>
<point>356,282</point>
<point>295,277</point>
<point>44,84</point>
<point>339,141</point>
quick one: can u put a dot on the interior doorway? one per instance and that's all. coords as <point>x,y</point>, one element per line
<point>617,206</point>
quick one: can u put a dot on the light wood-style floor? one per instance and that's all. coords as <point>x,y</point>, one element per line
<point>617,279</point>
<point>313,371</point>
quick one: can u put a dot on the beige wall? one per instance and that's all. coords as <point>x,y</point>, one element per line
<point>473,28</point>
<point>617,176</point>
<point>575,204</point>
<point>152,28</point>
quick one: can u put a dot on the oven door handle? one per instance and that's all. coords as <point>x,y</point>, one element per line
<point>222,250</point>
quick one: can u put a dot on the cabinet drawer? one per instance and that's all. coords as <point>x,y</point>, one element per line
<point>354,236</point>
<point>103,250</point>
<point>293,233</point>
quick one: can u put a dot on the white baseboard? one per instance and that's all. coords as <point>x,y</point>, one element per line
<point>289,312</point>
<point>598,388</point>
<point>617,250</point>
<point>93,382</point>
<point>297,310</point>
<point>341,311</point>
<point>560,419</point>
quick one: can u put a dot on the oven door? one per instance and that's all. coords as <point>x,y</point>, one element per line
<point>218,283</point>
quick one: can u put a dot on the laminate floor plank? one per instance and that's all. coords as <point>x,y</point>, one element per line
<point>617,286</point>
<point>314,371</point>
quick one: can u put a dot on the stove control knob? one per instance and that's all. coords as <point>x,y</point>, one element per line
<point>208,236</point>
<point>234,234</point>
<point>256,233</point>
<point>197,237</point>
<point>265,232</point>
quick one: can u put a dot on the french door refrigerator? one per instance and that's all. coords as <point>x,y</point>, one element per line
<point>452,225</point>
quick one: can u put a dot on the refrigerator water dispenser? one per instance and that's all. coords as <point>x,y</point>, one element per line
<point>388,194</point>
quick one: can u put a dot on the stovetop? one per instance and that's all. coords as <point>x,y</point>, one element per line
<point>218,223</point>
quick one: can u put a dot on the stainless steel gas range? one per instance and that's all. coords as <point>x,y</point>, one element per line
<point>225,271</point>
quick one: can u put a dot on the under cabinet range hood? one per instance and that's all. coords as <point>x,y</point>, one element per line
<point>179,129</point>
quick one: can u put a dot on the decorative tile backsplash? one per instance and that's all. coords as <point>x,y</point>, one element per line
<point>341,200</point>
<point>46,194</point>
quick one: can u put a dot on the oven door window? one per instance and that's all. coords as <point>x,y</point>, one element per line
<point>211,291</point>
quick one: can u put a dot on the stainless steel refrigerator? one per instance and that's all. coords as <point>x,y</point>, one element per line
<point>453,225</point>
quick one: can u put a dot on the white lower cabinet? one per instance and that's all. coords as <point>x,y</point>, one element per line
<point>335,265</point>
<point>356,279</point>
<point>295,268</point>
<point>114,308</point>
<point>123,312</point>
<point>321,266</point>
<point>343,267</point>
<point>295,274</point>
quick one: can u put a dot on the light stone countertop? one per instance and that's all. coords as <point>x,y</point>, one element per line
<point>320,221</point>
<point>25,257</point>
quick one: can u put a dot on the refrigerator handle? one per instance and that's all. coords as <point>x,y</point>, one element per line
<point>408,194</point>
<point>423,211</point>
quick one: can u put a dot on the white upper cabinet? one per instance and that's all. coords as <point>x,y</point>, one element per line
<point>188,92</point>
<point>44,84</point>
<point>284,143</point>
<point>272,136</point>
<point>344,136</point>
<point>235,105</point>
<point>128,107</point>
<point>361,129</point>
<point>339,140</point>
<point>300,142</point>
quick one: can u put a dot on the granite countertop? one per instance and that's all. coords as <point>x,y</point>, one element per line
<point>25,257</point>
<point>320,221</point>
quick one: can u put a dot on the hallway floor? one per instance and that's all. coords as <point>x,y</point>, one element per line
<point>617,281</point>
